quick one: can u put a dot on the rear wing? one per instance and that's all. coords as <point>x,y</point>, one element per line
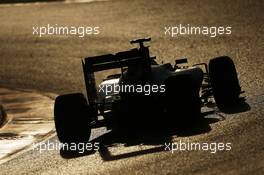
<point>110,61</point>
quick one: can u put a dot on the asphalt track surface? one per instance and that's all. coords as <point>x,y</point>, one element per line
<point>52,64</point>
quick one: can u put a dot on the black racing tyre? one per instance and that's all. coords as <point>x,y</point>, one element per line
<point>224,81</point>
<point>182,100</point>
<point>72,116</point>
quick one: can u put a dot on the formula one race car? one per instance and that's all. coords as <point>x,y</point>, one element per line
<point>144,93</point>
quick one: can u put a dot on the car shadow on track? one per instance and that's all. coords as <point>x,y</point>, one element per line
<point>155,138</point>
<point>241,106</point>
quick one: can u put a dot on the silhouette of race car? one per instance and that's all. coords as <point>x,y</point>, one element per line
<point>144,93</point>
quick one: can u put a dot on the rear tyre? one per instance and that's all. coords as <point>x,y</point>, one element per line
<point>224,81</point>
<point>72,116</point>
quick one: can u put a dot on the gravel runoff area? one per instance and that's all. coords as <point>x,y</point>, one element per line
<point>27,120</point>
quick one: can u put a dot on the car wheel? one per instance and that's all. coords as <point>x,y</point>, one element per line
<point>72,116</point>
<point>224,81</point>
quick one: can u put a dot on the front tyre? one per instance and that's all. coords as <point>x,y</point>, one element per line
<point>224,81</point>
<point>72,116</point>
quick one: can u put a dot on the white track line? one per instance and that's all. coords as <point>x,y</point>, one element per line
<point>52,2</point>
